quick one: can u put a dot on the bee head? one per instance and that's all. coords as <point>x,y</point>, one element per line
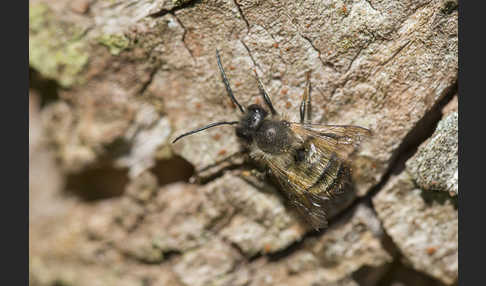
<point>251,121</point>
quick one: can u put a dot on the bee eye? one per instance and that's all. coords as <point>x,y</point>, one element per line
<point>255,116</point>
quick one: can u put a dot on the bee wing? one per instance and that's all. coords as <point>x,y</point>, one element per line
<point>312,207</point>
<point>341,139</point>
<point>317,213</point>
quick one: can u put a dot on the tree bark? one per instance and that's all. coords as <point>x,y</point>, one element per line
<point>112,201</point>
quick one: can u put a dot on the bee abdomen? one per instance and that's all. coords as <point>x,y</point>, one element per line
<point>327,175</point>
<point>339,182</point>
<point>332,178</point>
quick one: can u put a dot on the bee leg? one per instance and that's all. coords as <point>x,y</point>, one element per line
<point>264,94</point>
<point>258,179</point>
<point>305,105</point>
<point>228,162</point>
<point>259,175</point>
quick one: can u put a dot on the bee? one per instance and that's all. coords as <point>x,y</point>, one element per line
<point>309,161</point>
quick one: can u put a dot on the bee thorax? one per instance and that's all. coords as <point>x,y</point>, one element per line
<point>273,137</point>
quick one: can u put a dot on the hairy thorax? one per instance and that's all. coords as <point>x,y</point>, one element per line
<point>274,137</point>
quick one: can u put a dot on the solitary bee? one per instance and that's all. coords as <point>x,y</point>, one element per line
<point>309,161</point>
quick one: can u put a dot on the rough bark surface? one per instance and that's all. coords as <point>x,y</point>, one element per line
<point>113,82</point>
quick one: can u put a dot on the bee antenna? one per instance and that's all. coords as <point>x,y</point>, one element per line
<point>264,94</point>
<point>205,127</point>
<point>226,83</point>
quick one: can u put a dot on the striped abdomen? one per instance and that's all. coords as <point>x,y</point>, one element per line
<point>323,170</point>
